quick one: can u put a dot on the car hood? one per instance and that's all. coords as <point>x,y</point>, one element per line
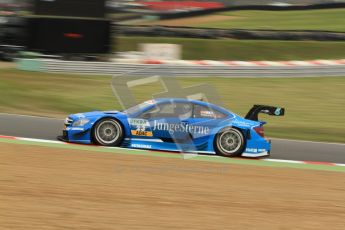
<point>93,114</point>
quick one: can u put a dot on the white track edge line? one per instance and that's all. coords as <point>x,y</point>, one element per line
<point>306,141</point>
<point>33,116</point>
<point>264,159</point>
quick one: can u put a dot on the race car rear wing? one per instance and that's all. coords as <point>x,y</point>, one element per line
<point>266,109</point>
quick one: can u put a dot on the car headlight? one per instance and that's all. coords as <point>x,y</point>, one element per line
<point>81,122</point>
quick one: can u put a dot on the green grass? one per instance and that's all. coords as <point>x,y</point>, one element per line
<point>315,106</point>
<point>225,49</point>
<point>325,19</point>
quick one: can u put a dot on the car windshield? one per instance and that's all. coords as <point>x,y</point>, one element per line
<point>139,107</point>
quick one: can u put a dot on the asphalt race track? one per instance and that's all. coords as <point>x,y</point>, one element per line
<point>49,128</point>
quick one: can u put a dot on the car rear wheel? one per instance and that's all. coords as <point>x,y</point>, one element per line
<point>108,132</point>
<point>229,142</point>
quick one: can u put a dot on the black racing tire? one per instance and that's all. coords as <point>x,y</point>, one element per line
<point>229,142</point>
<point>108,132</point>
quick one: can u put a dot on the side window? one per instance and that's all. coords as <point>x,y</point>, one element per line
<point>201,111</point>
<point>178,110</point>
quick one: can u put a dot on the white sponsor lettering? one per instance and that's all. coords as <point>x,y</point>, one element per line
<point>207,113</point>
<point>251,150</point>
<point>181,127</point>
<point>142,146</point>
<point>138,122</point>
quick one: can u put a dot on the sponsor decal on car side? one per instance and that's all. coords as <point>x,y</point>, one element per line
<point>140,127</point>
<point>181,127</point>
<point>141,146</point>
<point>207,113</point>
<point>254,150</point>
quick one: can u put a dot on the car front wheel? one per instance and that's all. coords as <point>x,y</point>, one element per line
<point>229,142</point>
<point>108,132</point>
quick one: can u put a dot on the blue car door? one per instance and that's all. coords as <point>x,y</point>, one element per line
<point>167,121</point>
<point>203,122</point>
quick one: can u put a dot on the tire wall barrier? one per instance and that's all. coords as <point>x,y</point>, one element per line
<point>250,7</point>
<point>189,32</point>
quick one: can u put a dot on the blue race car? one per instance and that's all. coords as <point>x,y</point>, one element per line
<point>174,124</point>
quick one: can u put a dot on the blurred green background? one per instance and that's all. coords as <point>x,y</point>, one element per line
<point>323,19</point>
<point>315,107</point>
<point>228,49</point>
